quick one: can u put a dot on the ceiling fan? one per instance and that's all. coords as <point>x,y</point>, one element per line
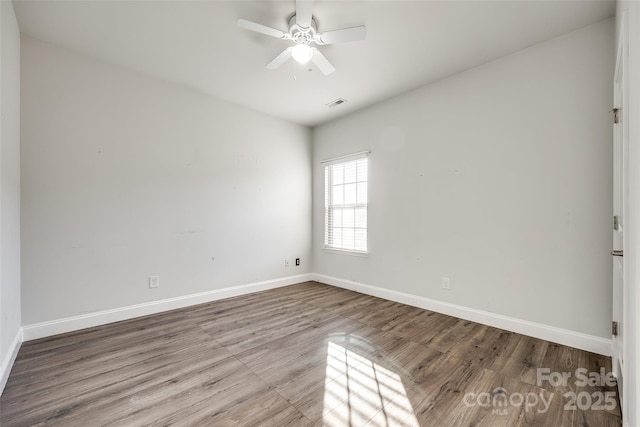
<point>303,32</point>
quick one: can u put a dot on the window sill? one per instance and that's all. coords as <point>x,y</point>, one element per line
<point>346,252</point>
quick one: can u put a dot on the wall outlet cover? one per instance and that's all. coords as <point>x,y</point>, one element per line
<point>154,281</point>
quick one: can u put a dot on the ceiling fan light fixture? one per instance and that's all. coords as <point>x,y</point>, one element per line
<point>303,31</point>
<point>302,53</point>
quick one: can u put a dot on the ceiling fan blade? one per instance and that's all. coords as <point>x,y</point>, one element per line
<point>322,62</point>
<point>342,36</point>
<point>280,59</point>
<point>304,13</point>
<point>259,28</point>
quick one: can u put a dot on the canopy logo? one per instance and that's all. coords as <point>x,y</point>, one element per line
<point>500,400</point>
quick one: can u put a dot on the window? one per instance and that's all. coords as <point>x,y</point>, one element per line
<point>345,204</point>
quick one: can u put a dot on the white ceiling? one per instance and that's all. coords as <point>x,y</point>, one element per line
<point>197,44</point>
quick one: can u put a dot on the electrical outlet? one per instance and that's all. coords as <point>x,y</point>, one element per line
<point>154,281</point>
<point>297,261</point>
<point>286,263</point>
<point>445,283</point>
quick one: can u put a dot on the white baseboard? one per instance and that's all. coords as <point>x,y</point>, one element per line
<point>69,324</point>
<point>9,358</point>
<point>538,330</point>
<point>566,337</point>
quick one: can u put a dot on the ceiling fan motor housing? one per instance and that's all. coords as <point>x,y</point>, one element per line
<point>297,32</point>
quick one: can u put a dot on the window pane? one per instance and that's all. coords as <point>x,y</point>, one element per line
<point>361,240</point>
<point>350,194</point>
<point>337,217</point>
<point>337,237</point>
<point>362,193</point>
<point>337,174</point>
<point>338,195</point>
<point>349,218</point>
<point>361,218</point>
<point>348,238</point>
<point>326,227</point>
<point>350,172</point>
<point>326,186</point>
<point>362,170</point>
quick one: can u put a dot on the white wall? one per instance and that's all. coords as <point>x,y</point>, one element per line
<point>125,176</point>
<point>10,333</point>
<point>498,178</point>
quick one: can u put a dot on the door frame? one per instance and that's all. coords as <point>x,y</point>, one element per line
<point>620,208</point>
<point>628,43</point>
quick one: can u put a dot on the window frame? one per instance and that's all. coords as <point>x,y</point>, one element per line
<point>329,206</point>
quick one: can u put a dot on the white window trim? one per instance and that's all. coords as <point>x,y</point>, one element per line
<point>344,159</point>
<point>335,251</point>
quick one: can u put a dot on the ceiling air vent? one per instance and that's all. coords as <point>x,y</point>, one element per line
<point>337,102</point>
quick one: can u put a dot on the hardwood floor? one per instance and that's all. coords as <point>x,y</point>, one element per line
<point>303,355</point>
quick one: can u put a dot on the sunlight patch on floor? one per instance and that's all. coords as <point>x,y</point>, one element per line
<point>360,392</point>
